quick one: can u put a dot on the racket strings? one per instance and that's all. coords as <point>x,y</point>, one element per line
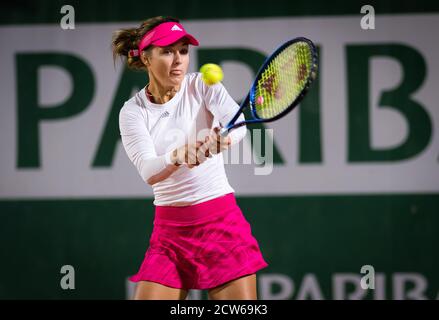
<point>283,80</point>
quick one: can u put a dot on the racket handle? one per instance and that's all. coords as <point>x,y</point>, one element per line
<point>224,132</point>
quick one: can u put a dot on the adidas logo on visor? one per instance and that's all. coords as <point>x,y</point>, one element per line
<point>176,28</point>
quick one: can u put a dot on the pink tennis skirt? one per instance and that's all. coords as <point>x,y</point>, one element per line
<point>200,246</point>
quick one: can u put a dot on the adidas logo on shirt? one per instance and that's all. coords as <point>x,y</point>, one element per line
<point>176,28</point>
<point>164,114</point>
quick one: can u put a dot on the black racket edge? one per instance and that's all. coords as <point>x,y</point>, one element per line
<point>311,77</point>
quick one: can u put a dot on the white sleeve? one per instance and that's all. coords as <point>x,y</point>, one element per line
<point>223,107</point>
<point>139,146</point>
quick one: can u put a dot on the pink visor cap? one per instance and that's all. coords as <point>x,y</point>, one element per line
<point>163,35</point>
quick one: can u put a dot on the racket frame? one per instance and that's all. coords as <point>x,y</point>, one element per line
<point>251,94</point>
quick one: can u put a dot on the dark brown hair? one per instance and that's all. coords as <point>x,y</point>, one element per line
<point>128,39</point>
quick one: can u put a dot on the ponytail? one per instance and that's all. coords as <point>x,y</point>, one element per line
<point>124,40</point>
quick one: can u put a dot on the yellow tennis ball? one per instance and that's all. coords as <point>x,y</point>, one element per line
<point>211,73</point>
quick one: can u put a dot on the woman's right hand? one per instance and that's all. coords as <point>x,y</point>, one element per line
<point>193,154</point>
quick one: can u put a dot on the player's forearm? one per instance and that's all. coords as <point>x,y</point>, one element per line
<point>162,175</point>
<point>156,169</point>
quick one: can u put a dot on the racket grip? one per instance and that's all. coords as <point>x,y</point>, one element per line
<point>224,132</point>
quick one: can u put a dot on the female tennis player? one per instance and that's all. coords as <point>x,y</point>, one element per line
<point>170,132</point>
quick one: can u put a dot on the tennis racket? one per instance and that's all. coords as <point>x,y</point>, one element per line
<point>280,84</point>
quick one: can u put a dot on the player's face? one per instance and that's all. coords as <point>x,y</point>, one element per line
<point>168,65</point>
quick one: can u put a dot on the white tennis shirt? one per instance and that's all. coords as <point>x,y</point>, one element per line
<point>150,132</point>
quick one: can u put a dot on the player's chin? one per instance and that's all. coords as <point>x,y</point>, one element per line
<point>175,80</point>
